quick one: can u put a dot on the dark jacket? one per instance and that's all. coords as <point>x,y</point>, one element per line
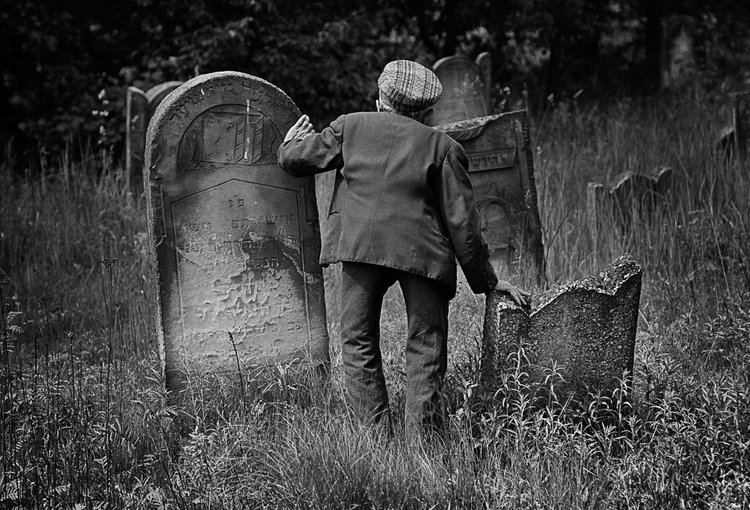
<point>402,197</point>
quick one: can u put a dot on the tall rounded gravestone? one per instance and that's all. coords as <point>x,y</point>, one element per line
<point>236,239</point>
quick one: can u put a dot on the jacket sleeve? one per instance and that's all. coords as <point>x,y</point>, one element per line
<point>460,215</point>
<point>319,152</point>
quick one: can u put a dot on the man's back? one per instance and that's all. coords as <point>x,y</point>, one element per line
<point>402,197</point>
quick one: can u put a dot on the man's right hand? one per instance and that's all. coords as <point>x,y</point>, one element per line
<point>300,129</point>
<point>520,296</point>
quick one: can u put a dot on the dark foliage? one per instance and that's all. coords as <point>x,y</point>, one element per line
<point>66,63</point>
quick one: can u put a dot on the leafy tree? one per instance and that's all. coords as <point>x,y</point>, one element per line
<point>67,63</point>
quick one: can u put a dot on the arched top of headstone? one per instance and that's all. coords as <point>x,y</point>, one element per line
<point>465,89</point>
<point>248,114</point>
<point>135,92</point>
<point>157,93</point>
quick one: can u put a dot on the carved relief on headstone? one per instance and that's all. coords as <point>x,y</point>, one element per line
<point>631,196</point>
<point>502,174</point>
<point>466,89</point>
<point>677,59</point>
<point>139,108</point>
<point>586,327</point>
<point>236,239</point>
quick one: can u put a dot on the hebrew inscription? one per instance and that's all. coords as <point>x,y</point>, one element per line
<point>236,239</point>
<point>502,174</point>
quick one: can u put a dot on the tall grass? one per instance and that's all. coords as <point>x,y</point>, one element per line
<point>86,422</point>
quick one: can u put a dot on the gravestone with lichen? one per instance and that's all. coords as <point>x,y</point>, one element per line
<point>236,239</point>
<point>586,329</point>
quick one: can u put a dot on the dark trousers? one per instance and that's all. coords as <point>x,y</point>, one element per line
<point>362,289</point>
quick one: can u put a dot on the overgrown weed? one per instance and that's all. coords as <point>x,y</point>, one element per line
<point>87,423</point>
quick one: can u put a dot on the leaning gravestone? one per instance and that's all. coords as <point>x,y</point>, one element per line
<point>501,170</point>
<point>631,196</point>
<point>500,163</point>
<point>586,328</point>
<point>236,239</point>
<point>677,56</point>
<point>139,108</point>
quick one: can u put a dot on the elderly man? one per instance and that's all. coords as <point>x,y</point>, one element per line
<point>402,210</point>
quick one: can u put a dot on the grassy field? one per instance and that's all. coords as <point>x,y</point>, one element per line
<point>86,423</point>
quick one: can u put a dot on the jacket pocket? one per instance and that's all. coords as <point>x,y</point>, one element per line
<point>337,195</point>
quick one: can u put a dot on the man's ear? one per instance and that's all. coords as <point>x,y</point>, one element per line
<point>424,116</point>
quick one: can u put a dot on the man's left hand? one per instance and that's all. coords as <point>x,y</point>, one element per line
<point>301,129</point>
<point>520,296</point>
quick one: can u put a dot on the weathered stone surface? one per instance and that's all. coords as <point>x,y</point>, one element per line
<point>677,56</point>
<point>586,327</point>
<point>466,89</point>
<point>139,108</point>
<point>631,196</point>
<point>236,239</point>
<point>502,173</point>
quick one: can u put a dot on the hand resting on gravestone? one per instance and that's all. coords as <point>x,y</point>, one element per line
<point>519,295</point>
<point>301,129</point>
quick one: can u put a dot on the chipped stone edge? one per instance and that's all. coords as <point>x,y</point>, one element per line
<point>471,128</point>
<point>607,282</point>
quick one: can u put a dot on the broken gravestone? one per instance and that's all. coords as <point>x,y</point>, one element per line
<point>139,108</point>
<point>501,170</point>
<point>585,328</point>
<point>677,56</point>
<point>236,239</point>
<point>466,89</point>
<point>632,196</point>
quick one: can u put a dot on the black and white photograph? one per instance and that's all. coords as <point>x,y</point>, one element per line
<point>374,254</point>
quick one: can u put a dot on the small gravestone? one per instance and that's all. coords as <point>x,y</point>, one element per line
<point>677,55</point>
<point>631,196</point>
<point>501,170</point>
<point>466,89</point>
<point>236,239</point>
<point>585,328</point>
<point>139,108</point>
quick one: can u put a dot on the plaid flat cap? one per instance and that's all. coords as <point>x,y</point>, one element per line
<point>409,86</point>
